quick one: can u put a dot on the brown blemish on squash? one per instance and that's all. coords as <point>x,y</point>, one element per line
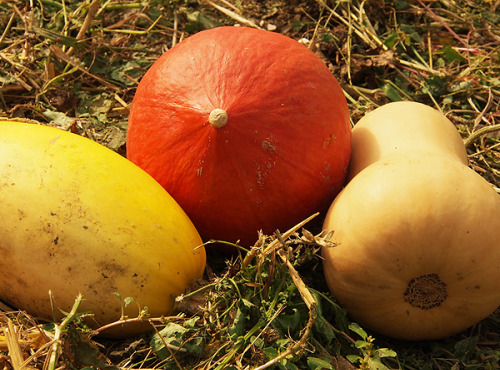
<point>328,140</point>
<point>426,292</point>
<point>325,174</point>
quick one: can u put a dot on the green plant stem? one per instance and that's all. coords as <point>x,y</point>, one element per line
<point>52,3</point>
<point>239,343</point>
<point>57,78</point>
<point>7,28</point>
<point>125,6</point>
<point>194,293</point>
<point>54,351</point>
<point>135,32</point>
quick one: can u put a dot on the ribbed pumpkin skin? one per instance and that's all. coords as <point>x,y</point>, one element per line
<point>407,218</point>
<point>284,151</point>
<point>77,217</point>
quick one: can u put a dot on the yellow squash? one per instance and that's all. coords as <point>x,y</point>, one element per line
<point>403,126</point>
<point>418,247</point>
<point>78,217</point>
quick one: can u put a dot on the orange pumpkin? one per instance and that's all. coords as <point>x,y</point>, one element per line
<point>247,129</point>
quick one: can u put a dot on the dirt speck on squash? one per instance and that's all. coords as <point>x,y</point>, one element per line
<point>266,144</point>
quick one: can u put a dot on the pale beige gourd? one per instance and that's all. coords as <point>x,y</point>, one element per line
<point>418,247</point>
<point>403,126</point>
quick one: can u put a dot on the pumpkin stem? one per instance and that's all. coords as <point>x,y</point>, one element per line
<point>426,292</point>
<point>218,118</point>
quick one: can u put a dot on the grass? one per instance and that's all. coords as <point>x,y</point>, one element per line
<point>76,65</point>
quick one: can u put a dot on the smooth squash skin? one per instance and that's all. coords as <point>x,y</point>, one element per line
<point>247,129</point>
<point>403,126</point>
<point>78,217</point>
<point>418,247</point>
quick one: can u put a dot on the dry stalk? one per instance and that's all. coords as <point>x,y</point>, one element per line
<point>359,29</point>
<point>485,130</point>
<point>61,55</point>
<point>440,20</point>
<point>15,352</point>
<point>94,7</point>
<point>22,72</point>
<point>7,28</point>
<point>232,14</point>
<point>480,117</point>
<point>477,134</point>
<point>306,296</point>
<point>176,26</point>
<point>275,243</point>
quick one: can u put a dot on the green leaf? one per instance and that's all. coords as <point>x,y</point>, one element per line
<point>199,21</point>
<point>128,301</point>
<point>58,37</point>
<point>247,303</point>
<point>361,344</point>
<point>178,336</point>
<point>191,323</point>
<point>401,5</point>
<point>410,30</point>
<point>81,352</point>
<point>7,79</point>
<point>465,347</point>
<point>386,352</point>
<point>375,364</point>
<point>195,346</point>
<point>316,363</point>
<point>238,327</point>
<point>324,329</point>
<point>271,353</point>
<point>391,40</point>
<point>435,86</point>
<point>358,330</point>
<point>96,107</point>
<point>289,322</point>
<point>353,358</point>
<point>59,119</point>
<point>291,366</point>
<point>451,54</point>
<point>172,330</point>
<point>120,73</point>
<point>391,92</point>
<point>461,86</point>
